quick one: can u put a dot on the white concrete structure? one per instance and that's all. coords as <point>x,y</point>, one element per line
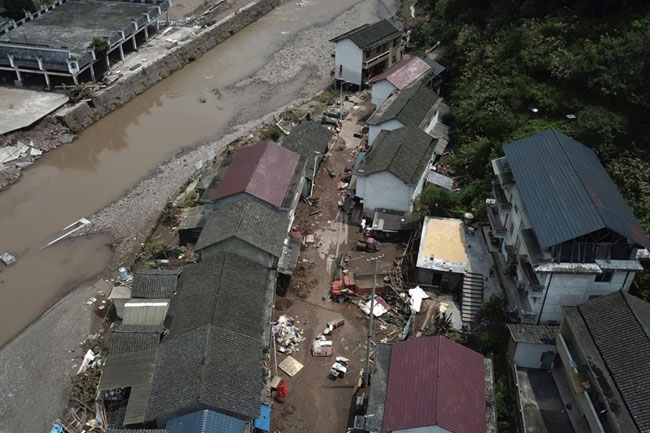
<point>366,51</point>
<point>533,346</point>
<point>387,178</point>
<point>416,106</point>
<point>563,242</point>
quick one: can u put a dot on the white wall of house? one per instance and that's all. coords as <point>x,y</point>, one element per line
<point>348,62</point>
<point>529,355</point>
<point>432,122</point>
<point>381,90</point>
<point>576,289</point>
<point>389,125</point>
<point>384,191</point>
<point>429,429</point>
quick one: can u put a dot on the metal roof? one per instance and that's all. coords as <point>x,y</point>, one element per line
<point>619,325</point>
<point>206,421</point>
<point>248,220</point>
<point>289,258</point>
<point>154,283</point>
<point>535,334</point>
<point>134,370</point>
<point>440,180</point>
<point>404,152</point>
<point>150,312</point>
<point>435,381</point>
<point>264,170</point>
<point>566,191</point>
<point>436,67</point>
<point>404,72</point>
<point>305,139</point>
<point>369,35</point>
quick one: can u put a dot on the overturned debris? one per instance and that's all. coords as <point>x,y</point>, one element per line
<point>287,334</point>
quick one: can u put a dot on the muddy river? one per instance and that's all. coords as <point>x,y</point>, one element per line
<point>107,159</point>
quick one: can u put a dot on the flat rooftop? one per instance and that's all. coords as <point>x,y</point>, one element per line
<point>75,23</point>
<point>20,107</point>
<point>442,245</point>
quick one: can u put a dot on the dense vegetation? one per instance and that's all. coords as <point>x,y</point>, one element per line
<point>583,64</point>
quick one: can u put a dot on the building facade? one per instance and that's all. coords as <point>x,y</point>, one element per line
<point>564,232</point>
<point>366,51</point>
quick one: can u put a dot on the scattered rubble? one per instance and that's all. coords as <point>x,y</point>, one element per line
<point>287,334</point>
<point>7,259</point>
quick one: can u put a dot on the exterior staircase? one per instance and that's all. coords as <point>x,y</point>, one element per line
<point>472,296</point>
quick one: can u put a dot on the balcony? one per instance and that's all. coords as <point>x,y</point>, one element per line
<point>500,197</point>
<point>530,277</point>
<point>367,64</point>
<point>498,230</point>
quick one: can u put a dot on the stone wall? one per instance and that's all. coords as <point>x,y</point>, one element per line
<point>80,116</point>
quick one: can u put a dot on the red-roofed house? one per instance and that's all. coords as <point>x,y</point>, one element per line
<point>265,172</point>
<point>402,74</point>
<point>429,385</point>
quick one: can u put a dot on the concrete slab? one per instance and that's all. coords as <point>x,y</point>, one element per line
<point>20,108</point>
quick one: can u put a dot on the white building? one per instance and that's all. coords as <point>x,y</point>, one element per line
<point>532,346</point>
<point>366,51</point>
<point>416,106</point>
<point>403,74</point>
<point>393,172</point>
<point>565,233</point>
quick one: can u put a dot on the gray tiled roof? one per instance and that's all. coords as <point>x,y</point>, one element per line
<point>410,106</point>
<point>249,221</point>
<point>403,152</point>
<point>154,283</point>
<point>553,171</point>
<point>227,291</point>
<point>208,368</point>
<point>619,325</point>
<point>536,334</point>
<point>368,35</point>
<point>133,338</point>
<point>305,139</point>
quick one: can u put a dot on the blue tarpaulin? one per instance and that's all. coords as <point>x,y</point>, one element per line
<point>264,421</point>
<point>205,421</point>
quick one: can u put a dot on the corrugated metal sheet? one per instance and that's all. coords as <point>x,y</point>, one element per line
<point>566,191</point>
<point>404,72</point>
<point>145,311</point>
<point>435,381</point>
<point>440,180</point>
<point>264,170</point>
<point>206,421</point>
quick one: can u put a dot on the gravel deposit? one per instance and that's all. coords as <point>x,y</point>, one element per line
<point>35,366</point>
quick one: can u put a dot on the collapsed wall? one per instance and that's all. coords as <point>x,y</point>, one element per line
<point>81,115</point>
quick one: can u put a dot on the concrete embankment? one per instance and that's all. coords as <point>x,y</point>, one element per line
<point>81,115</point>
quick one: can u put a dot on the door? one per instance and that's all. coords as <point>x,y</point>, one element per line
<point>547,360</point>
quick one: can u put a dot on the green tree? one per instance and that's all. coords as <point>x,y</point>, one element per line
<point>435,201</point>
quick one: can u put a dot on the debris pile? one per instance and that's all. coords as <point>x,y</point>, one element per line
<point>339,368</point>
<point>287,334</point>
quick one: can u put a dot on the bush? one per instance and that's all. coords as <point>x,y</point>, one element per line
<point>271,133</point>
<point>435,201</point>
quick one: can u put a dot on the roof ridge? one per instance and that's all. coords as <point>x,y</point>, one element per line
<point>251,174</point>
<point>438,380</point>
<point>575,171</point>
<point>634,313</point>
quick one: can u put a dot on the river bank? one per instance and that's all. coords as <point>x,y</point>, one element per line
<point>128,221</point>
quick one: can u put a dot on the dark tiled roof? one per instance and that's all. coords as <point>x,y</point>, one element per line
<point>566,191</point>
<point>227,291</point>
<point>404,72</point>
<point>134,338</point>
<point>436,67</point>
<point>249,221</point>
<point>410,106</point>
<point>619,325</point>
<point>377,397</point>
<point>154,283</point>
<point>368,35</point>
<point>305,139</point>
<point>536,334</point>
<point>404,152</point>
<point>435,381</point>
<point>209,368</point>
<point>263,170</point>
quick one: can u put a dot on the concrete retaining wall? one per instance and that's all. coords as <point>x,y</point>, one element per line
<point>80,116</point>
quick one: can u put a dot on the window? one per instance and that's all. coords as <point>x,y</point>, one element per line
<point>605,277</point>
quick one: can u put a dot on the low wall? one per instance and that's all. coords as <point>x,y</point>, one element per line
<point>80,116</point>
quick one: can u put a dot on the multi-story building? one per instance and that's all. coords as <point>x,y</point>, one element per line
<point>565,233</point>
<point>366,51</point>
<point>604,345</point>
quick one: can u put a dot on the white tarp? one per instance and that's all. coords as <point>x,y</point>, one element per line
<point>417,295</point>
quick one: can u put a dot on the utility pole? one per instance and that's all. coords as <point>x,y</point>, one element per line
<point>313,178</point>
<point>374,261</point>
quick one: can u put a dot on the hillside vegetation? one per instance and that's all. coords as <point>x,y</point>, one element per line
<point>585,59</point>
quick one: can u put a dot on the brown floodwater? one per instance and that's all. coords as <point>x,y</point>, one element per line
<point>108,158</point>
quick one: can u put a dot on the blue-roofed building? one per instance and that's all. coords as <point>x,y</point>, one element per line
<point>565,233</point>
<point>207,421</point>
